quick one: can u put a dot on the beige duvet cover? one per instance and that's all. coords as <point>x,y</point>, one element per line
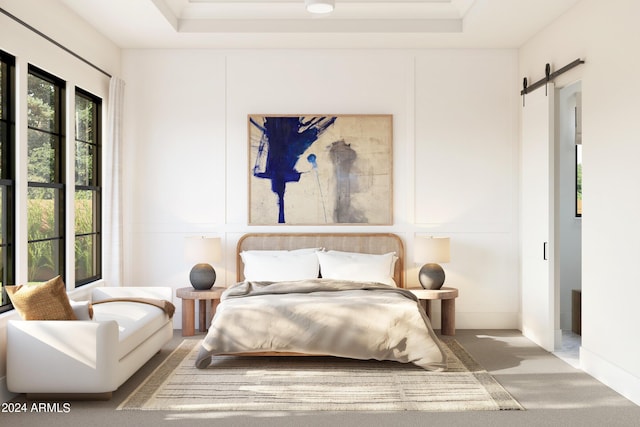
<point>323,317</point>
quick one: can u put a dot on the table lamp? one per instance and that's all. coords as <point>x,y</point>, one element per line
<point>202,251</point>
<point>433,250</point>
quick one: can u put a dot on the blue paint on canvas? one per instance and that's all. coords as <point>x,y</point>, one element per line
<point>284,140</point>
<point>313,159</point>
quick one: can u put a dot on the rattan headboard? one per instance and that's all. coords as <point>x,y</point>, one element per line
<point>369,243</point>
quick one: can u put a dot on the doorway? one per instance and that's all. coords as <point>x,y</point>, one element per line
<point>568,203</point>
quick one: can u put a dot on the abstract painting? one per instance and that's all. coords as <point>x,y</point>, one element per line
<point>320,169</point>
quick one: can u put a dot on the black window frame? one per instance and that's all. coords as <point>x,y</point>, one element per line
<point>7,177</point>
<point>58,183</point>
<point>95,187</point>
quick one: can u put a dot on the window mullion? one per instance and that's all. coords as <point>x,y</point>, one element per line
<point>45,160</point>
<point>7,177</point>
<point>88,237</point>
<point>69,171</point>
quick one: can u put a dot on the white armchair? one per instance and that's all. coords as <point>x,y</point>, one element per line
<point>88,357</point>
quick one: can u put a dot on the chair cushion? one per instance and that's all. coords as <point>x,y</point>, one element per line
<point>136,322</point>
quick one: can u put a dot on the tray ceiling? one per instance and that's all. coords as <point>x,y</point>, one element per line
<point>286,23</point>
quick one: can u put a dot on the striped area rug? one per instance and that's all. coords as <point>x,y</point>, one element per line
<point>317,384</point>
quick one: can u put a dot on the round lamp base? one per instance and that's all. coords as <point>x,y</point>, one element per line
<point>202,276</point>
<point>431,276</point>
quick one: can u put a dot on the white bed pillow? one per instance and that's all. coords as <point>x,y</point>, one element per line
<point>358,267</point>
<point>280,265</point>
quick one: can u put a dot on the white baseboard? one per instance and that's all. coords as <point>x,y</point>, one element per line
<point>464,320</point>
<point>557,339</point>
<point>474,320</point>
<point>610,375</point>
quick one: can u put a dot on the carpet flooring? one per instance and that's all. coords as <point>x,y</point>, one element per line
<point>317,384</point>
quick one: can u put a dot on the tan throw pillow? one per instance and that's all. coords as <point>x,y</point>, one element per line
<point>45,301</point>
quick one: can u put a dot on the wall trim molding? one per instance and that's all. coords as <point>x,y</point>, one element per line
<point>610,375</point>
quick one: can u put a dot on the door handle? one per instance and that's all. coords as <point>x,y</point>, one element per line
<point>544,251</point>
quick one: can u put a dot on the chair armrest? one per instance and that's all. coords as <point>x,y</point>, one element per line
<point>65,356</point>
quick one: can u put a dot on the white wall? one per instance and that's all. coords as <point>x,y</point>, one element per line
<point>605,35</point>
<point>29,48</point>
<point>455,155</point>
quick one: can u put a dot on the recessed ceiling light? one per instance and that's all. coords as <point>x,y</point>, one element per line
<point>320,6</point>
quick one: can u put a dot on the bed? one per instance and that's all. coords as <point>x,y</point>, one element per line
<point>330,294</point>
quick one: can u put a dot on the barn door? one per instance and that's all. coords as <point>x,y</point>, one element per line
<point>537,218</point>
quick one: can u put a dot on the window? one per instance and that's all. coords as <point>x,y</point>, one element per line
<point>7,177</point>
<point>45,169</point>
<point>88,188</point>
<point>578,142</point>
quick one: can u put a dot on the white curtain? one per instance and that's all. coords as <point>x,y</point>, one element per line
<point>113,235</point>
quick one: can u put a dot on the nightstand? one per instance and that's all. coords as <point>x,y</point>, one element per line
<point>447,296</point>
<point>189,296</point>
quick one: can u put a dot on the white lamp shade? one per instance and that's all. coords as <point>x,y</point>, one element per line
<point>431,250</point>
<point>320,6</point>
<point>202,249</point>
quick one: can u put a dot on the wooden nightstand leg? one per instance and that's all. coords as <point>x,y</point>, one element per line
<point>202,316</point>
<point>188,317</point>
<point>448,318</point>
<point>427,307</point>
